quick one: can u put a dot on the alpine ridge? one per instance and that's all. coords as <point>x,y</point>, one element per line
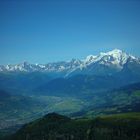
<point>109,63</point>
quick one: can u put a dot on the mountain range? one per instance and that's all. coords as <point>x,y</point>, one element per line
<point>102,72</point>
<point>103,64</point>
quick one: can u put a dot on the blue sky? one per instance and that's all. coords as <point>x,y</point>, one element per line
<point>41,31</point>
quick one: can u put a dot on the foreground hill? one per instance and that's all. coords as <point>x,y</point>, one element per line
<point>58,127</point>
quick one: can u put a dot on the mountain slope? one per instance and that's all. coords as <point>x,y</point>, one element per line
<point>23,82</point>
<point>54,126</point>
<point>79,85</point>
<point>85,85</point>
<point>124,99</point>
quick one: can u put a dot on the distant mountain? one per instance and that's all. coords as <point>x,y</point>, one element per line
<point>106,63</point>
<point>59,68</point>
<point>78,85</point>
<point>86,85</point>
<point>21,83</point>
<point>102,64</point>
<point>105,71</point>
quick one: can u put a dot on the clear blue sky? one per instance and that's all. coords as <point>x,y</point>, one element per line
<point>41,31</point>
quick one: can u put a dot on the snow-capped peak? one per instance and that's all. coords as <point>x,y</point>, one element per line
<point>115,51</point>
<point>116,58</point>
<point>90,58</point>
